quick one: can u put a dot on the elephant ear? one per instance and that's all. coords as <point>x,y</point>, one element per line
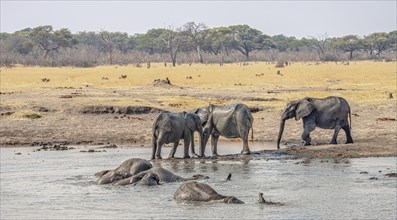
<point>193,122</point>
<point>303,109</point>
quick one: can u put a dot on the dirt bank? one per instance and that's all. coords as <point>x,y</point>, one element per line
<point>46,117</point>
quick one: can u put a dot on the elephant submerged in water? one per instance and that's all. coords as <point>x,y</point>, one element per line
<point>327,113</point>
<point>194,191</point>
<point>126,169</point>
<point>161,174</point>
<point>232,121</point>
<point>170,128</point>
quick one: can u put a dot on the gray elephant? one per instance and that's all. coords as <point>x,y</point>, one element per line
<point>327,113</point>
<point>162,174</point>
<point>171,127</point>
<point>232,121</point>
<point>126,169</point>
<point>194,191</point>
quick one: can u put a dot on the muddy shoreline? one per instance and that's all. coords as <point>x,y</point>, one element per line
<point>44,118</point>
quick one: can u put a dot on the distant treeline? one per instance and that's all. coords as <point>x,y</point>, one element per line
<point>191,43</point>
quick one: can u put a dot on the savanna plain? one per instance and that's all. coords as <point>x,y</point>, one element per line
<point>60,125</point>
<point>117,104</point>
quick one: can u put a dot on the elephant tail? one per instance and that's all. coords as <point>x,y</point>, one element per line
<point>251,119</point>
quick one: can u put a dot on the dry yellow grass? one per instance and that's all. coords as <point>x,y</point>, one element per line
<point>364,81</point>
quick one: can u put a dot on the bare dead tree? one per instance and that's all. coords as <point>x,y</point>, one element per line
<point>173,40</point>
<point>197,34</point>
<point>106,37</point>
<point>320,44</point>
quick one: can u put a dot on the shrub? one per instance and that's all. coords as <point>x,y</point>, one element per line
<point>32,116</point>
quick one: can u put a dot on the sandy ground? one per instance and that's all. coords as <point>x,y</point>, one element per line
<point>67,121</point>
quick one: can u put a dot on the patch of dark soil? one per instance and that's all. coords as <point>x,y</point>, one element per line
<point>385,119</point>
<point>110,146</point>
<point>92,151</point>
<point>7,113</point>
<point>65,96</point>
<point>260,99</point>
<point>129,110</point>
<point>391,174</point>
<point>56,147</point>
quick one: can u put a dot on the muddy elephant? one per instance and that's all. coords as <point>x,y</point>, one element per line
<point>171,128</point>
<point>232,121</point>
<point>162,174</point>
<point>327,113</point>
<point>194,191</point>
<point>126,169</point>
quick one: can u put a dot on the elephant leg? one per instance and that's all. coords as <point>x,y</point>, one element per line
<point>308,125</point>
<point>214,144</point>
<point>192,145</point>
<point>349,138</point>
<point>173,150</point>
<point>186,141</point>
<point>246,149</point>
<point>160,143</point>
<point>154,149</point>
<point>336,132</point>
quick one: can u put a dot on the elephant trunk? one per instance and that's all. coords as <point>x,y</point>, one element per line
<point>280,132</point>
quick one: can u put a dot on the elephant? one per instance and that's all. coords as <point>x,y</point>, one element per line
<point>170,128</point>
<point>328,113</point>
<point>231,121</point>
<point>126,169</point>
<point>194,191</point>
<point>162,174</point>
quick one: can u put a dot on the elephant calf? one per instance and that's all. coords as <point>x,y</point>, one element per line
<point>194,191</point>
<point>126,169</point>
<point>171,128</point>
<point>328,113</point>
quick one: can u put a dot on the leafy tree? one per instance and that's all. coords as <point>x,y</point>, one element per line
<point>49,40</point>
<point>220,40</point>
<point>348,44</point>
<point>152,41</point>
<point>197,34</point>
<point>248,39</point>
<point>376,42</point>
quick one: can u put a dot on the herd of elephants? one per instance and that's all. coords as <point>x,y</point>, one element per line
<point>232,121</point>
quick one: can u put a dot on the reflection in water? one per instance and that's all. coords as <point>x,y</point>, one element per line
<point>59,185</point>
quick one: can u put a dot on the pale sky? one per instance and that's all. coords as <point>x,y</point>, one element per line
<point>291,18</point>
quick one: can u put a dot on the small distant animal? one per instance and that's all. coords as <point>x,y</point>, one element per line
<point>229,177</point>
<point>189,77</point>
<point>105,78</point>
<point>262,74</point>
<point>123,77</point>
<point>45,80</point>
<point>263,201</point>
<point>390,95</point>
<point>279,73</point>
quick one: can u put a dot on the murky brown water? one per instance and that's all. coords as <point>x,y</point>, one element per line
<point>61,185</point>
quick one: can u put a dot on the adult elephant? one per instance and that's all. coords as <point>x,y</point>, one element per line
<point>194,191</point>
<point>161,174</point>
<point>327,113</point>
<point>126,169</point>
<point>170,128</point>
<point>231,121</point>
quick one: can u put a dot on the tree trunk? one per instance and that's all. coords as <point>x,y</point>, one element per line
<point>351,55</point>
<point>200,56</point>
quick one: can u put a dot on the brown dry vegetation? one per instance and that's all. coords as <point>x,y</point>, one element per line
<point>64,98</point>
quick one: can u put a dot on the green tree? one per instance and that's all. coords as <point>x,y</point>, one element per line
<point>152,41</point>
<point>348,44</point>
<point>248,39</point>
<point>376,43</point>
<point>48,40</point>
